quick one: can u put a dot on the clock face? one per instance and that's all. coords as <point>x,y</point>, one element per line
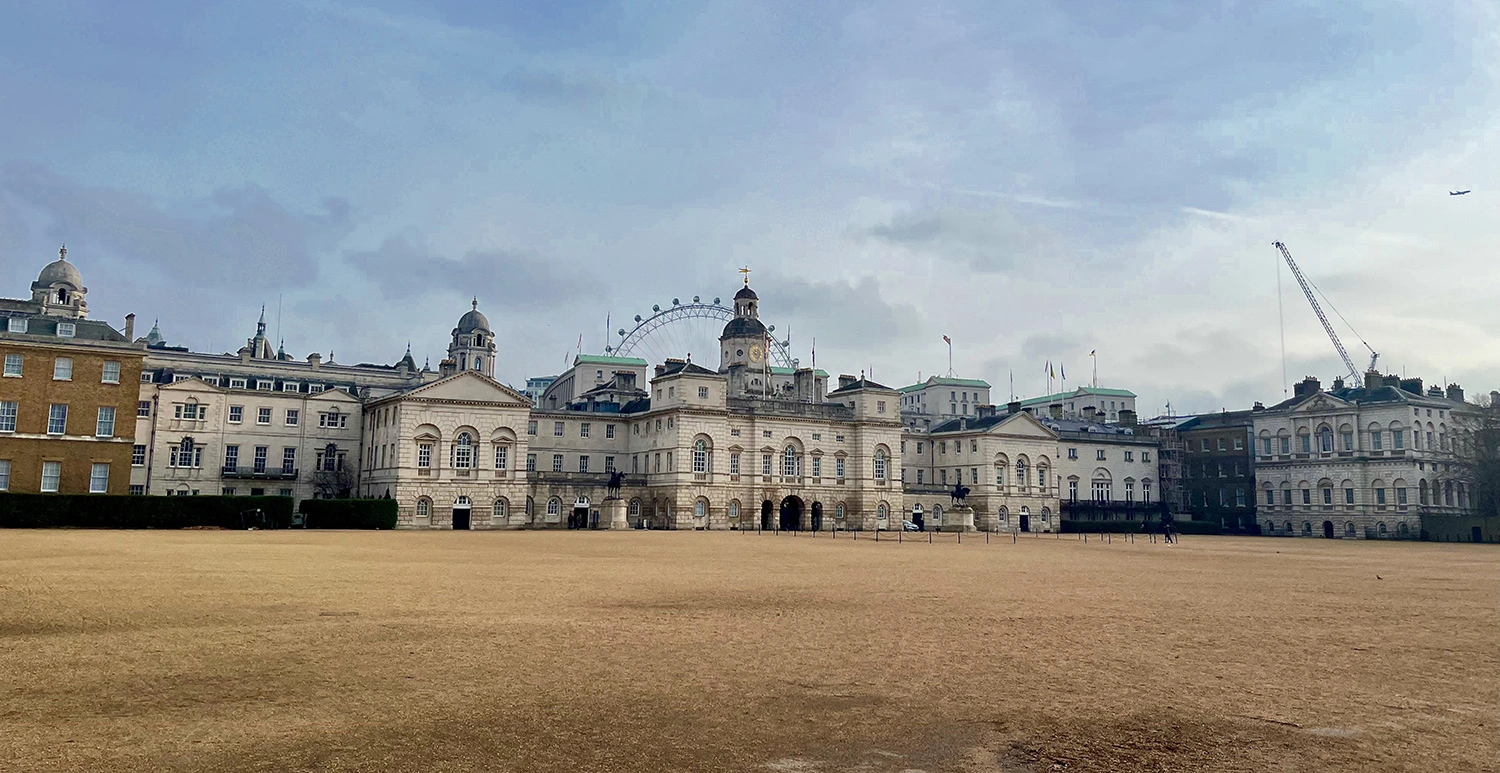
<point>756,353</point>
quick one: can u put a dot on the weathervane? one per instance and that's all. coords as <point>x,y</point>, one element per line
<point>746,272</point>
<point>62,254</point>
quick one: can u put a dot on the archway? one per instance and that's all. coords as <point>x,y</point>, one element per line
<point>765,516</point>
<point>791,514</point>
<point>1328,529</point>
<point>462,507</point>
<point>1025,518</point>
<point>817,516</point>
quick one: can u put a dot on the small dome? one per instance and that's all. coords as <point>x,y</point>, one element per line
<point>746,293</point>
<point>61,270</point>
<point>473,320</point>
<point>744,327</point>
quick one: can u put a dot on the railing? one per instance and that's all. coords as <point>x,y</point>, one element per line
<point>251,473</point>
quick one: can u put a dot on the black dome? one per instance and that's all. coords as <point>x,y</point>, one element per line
<point>745,292</point>
<point>743,327</point>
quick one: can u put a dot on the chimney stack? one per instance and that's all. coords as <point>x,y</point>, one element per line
<point>1012,407</point>
<point>846,380</point>
<point>1455,393</point>
<point>1259,406</point>
<point>1434,391</point>
<point>129,327</point>
<point>1413,385</point>
<point>1338,383</point>
<point>1127,417</point>
<point>1373,380</point>
<point>1090,413</point>
<point>1308,386</point>
<point>315,360</point>
<point>982,411</point>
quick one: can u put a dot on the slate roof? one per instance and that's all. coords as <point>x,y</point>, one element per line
<point>945,381</point>
<point>863,383</point>
<point>600,359</point>
<point>674,367</point>
<point>743,327</point>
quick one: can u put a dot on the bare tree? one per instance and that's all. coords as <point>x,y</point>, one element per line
<point>333,478</point>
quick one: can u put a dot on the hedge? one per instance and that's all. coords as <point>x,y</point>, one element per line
<point>107,511</point>
<point>1124,527</point>
<point>349,513</point>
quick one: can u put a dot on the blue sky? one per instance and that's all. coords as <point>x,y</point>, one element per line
<point>1034,182</point>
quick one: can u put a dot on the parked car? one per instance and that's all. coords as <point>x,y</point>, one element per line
<point>909,526</point>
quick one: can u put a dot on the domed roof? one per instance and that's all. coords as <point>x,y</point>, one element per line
<point>746,293</point>
<point>473,320</point>
<point>61,270</point>
<point>744,327</point>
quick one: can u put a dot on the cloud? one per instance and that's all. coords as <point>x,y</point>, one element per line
<point>402,269</point>
<point>989,241</point>
<point>843,313</point>
<point>237,237</point>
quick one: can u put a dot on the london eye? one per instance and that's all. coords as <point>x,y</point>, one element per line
<point>691,329</point>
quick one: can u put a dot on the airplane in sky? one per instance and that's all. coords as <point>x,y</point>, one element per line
<point>1456,193</point>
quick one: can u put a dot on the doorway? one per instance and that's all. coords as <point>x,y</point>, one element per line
<point>817,516</point>
<point>461,518</point>
<point>1476,534</point>
<point>1025,522</point>
<point>765,516</point>
<point>1328,529</point>
<point>791,514</point>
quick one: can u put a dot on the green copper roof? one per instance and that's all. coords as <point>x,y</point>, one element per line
<point>1080,392</point>
<point>945,381</point>
<point>780,371</point>
<point>599,359</point>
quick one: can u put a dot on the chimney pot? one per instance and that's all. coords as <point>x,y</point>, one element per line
<point>1014,406</point>
<point>1455,393</point>
<point>129,327</point>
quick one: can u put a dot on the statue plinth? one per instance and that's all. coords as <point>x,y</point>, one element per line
<point>613,514</point>
<point>960,518</point>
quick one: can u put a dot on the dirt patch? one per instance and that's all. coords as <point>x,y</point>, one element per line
<point>292,651</point>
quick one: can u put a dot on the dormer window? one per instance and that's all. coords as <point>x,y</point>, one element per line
<point>66,330</point>
<point>17,325</point>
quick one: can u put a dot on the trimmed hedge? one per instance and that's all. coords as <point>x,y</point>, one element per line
<point>1126,527</point>
<point>107,511</point>
<point>349,513</point>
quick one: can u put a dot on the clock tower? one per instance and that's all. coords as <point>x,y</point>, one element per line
<point>743,342</point>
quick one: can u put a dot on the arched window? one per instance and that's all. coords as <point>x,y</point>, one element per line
<point>424,507</point>
<point>734,509</point>
<point>478,362</point>
<point>700,457</point>
<point>1021,478</point>
<point>554,507</point>
<point>635,508</point>
<point>1325,440</point>
<point>1288,527</point>
<point>1003,517</point>
<point>880,464</point>
<point>463,451</point>
<point>500,509</point>
<point>838,511</point>
<point>1349,528</point>
<point>1306,529</point>
<point>1041,476</point>
<point>882,515</point>
<point>1381,527</point>
<point>999,475</point>
<point>700,509</point>
<point>789,466</point>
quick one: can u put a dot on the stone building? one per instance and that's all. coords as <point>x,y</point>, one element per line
<point>1006,460</point>
<point>1106,471</point>
<point>940,398</point>
<point>67,395</point>
<point>1107,404</point>
<point>1363,461</point>
<point>743,446</point>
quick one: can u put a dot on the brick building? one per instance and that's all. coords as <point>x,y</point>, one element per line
<point>68,391</point>
<point>1219,468</point>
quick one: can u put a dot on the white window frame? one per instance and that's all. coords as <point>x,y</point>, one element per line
<point>15,365</point>
<point>108,374</point>
<point>9,410</point>
<point>104,424</point>
<point>17,325</point>
<point>66,330</point>
<point>56,476</point>
<point>99,484</point>
<point>62,369</point>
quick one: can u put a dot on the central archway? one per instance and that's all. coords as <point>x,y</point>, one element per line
<point>765,516</point>
<point>791,514</point>
<point>1328,529</point>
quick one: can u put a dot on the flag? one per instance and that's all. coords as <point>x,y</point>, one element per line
<point>1050,372</point>
<point>1064,371</point>
<point>1091,352</point>
<point>1047,369</point>
<point>947,340</point>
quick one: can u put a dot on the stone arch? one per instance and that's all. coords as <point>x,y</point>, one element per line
<point>499,511</point>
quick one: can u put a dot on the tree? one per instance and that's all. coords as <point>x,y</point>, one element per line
<point>333,479</point>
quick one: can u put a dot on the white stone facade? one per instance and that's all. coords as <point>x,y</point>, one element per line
<point>1007,462</point>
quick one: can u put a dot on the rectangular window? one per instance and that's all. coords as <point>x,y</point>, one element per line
<point>702,393</point>
<point>62,369</point>
<point>1270,497</point>
<point>137,456</point>
<point>838,468</point>
<point>137,490</point>
<point>1348,496</point>
<point>17,325</point>
<point>263,416</point>
<point>583,429</point>
<point>4,475</point>
<point>1397,439</point>
<point>66,330</point>
<point>236,414</point>
<point>1286,497</point>
<point>1221,444</point>
<point>99,479</point>
<point>531,462</point>
<point>8,412</point>
<point>57,420</point>
<point>502,457</point>
<point>1306,444</point>
<point>1239,444</point>
<point>261,454</point>
<point>1380,496</point>
<point>1400,496</point>
<point>1327,496</point>
<point>13,364</point>
<point>1265,446</point>
<point>557,462</point>
<point>974,476</point>
<point>111,373</point>
<point>231,457</point>
<point>1072,453</point>
<point>1099,455</point>
<point>236,383</point>
<point>105,425</point>
<point>734,463</point>
<point>1286,445</point>
<point>765,464</point>
<point>1348,441</point>
<point>557,429</point>
<point>424,456</point>
<point>288,461</point>
<point>1204,444</point>
<point>292,417</point>
<point>1129,456</point>
<point>1375,440</point>
<point>1307,496</point>
<point>531,427</point>
<point>609,431</point>
<point>944,476</point>
<point>290,386</point>
<point>51,476</point>
<point>920,476</point>
<point>262,385</point>
<point>1239,497</point>
<point>817,466</point>
<point>583,463</point>
<point>609,464</point>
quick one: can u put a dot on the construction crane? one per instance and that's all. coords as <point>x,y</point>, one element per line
<point>1307,289</point>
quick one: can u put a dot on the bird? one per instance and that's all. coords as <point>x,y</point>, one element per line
<point>1378,577</point>
<point>1456,193</point>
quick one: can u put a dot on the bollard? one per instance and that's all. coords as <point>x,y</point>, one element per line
<point>986,538</point>
<point>960,538</point>
<point>1110,540</point>
<point>929,538</point>
<point>877,533</point>
<point>899,533</point>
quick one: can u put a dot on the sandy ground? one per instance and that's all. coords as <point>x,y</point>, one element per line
<point>277,651</point>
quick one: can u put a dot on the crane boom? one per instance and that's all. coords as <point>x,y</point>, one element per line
<point>1354,375</point>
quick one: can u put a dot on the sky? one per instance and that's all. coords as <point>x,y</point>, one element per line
<point>1035,181</point>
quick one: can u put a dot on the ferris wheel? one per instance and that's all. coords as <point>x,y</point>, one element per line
<point>685,329</point>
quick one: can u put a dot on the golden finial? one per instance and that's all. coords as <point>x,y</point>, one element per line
<point>746,272</point>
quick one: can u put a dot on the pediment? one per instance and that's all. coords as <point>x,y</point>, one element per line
<point>469,387</point>
<point>1023,425</point>
<point>1319,403</point>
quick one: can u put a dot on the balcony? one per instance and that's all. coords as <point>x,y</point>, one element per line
<point>250,473</point>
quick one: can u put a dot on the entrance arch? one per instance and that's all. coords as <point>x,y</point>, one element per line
<point>791,514</point>
<point>462,507</point>
<point>817,516</point>
<point>1328,529</point>
<point>1025,518</point>
<point>765,516</point>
